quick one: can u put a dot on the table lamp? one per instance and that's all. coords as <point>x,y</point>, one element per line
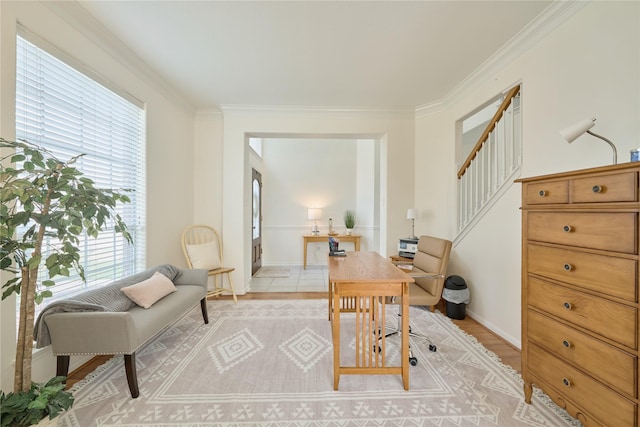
<point>411,214</point>
<point>314,214</point>
<point>572,132</point>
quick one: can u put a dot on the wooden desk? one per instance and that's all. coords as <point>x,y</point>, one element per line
<point>310,238</point>
<point>360,283</point>
<point>397,259</point>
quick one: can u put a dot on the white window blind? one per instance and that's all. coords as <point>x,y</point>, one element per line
<point>59,108</point>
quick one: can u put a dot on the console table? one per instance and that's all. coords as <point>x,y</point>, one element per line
<point>311,238</point>
<point>361,283</point>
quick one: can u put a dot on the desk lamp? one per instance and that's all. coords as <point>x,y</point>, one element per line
<point>411,214</point>
<point>314,214</point>
<point>572,132</point>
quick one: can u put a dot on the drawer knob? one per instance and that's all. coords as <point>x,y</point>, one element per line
<point>567,229</point>
<point>597,189</point>
<point>567,305</point>
<point>566,382</point>
<point>566,344</point>
<point>542,193</point>
<point>568,267</point>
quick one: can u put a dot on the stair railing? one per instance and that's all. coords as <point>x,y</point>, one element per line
<point>494,159</point>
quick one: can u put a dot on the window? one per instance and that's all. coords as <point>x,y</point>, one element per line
<point>69,113</point>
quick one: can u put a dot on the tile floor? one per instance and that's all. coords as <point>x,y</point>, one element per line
<point>311,279</point>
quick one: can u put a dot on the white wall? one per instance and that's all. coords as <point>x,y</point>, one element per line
<point>587,67</point>
<point>299,174</point>
<point>170,136</point>
<point>207,169</point>
<point>367,201</point>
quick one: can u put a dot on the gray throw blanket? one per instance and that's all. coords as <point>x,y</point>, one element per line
<point>106,298</point>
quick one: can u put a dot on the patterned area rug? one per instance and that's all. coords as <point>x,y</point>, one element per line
<point>273,272</point>
<point>269,363</point>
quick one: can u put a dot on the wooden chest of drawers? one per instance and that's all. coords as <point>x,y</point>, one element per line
<point>580,319</point>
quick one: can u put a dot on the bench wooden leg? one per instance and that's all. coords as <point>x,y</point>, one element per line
<point>62,368</point>
<point>132,376</point>
<point>205,314</point>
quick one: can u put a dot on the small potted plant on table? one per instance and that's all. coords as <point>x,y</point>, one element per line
<point>349,221</point>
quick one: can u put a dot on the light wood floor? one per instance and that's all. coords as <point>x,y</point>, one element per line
<point>505,351</point>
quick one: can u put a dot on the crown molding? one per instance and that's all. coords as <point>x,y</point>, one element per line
<point>338,111</point>
<point>81,20</point>
<point>546,22</point>
<point>209,112</point>
<point>429,109</point>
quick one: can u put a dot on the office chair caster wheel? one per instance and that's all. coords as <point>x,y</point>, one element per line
<point>432,348</point>
<point>413,361</point>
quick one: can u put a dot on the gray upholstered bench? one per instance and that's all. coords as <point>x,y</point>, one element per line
<point>105,321</point>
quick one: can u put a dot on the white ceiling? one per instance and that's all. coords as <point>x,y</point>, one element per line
<point>364,54</point>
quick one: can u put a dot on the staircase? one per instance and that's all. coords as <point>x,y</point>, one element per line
<point>492,164</point>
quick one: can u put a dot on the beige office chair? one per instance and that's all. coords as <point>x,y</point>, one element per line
<point>429,270</point>
<point>202,248</point>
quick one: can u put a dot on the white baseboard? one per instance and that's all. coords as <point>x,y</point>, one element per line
<point>502,334</point>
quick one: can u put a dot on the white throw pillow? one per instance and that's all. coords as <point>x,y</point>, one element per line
<point>205,255</point>
<point>150,291</point>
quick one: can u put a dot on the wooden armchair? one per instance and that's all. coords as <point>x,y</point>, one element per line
<point>202,248</point>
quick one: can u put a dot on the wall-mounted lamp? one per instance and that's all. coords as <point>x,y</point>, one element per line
<point>411,214</point>
<point>572,132</point>
<point>314,214</point>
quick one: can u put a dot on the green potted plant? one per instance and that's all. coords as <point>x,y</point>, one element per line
<point>49,198</point>
<point>36,404</point>
<point>349,221</point>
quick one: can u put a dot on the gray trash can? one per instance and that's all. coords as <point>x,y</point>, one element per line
<point>456,294</point>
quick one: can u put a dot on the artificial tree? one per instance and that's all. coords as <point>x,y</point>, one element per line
<point>50,198</point>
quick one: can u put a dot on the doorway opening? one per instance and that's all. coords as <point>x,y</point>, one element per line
<point>329,173</point>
